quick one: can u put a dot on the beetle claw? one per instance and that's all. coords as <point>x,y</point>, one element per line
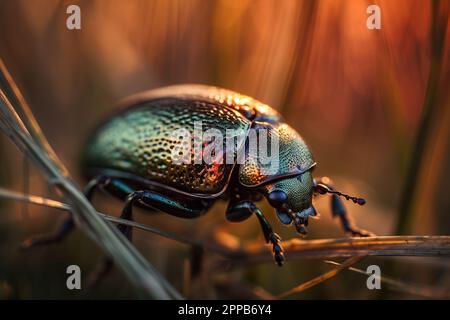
<point>277,249</point>
<point>361,233</point>
<point>279,258</point>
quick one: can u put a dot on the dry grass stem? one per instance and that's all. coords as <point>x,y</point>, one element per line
<point>18,123</point>
<point>436,246</point>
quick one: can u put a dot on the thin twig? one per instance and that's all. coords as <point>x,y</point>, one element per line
<point>436,246</point>
<point>348,247</point>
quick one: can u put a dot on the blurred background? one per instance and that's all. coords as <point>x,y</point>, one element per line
<point>373,105</point>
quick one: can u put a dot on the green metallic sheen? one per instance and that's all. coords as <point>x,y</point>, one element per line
<point>138,139</point>
<point>294,156</point>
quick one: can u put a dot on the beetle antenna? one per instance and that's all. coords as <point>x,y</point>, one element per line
<point>322,189</point>
<point>357,200</point>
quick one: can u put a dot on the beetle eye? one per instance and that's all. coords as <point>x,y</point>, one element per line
<point>277,198</point>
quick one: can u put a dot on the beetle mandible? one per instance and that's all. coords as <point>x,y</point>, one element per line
<point>129,156</point>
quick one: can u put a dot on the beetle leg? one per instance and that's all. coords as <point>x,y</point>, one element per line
<point>338,209</point>
<point>68,224</point>
<point>242,210</point>
<point>92,185</point>
<point>44,239</point>
<point>183,209</point>
<point>106,265</point>
<point>156,201</point>
<point>238,211</point>
<point>270,236</point>
<point>127,213</point>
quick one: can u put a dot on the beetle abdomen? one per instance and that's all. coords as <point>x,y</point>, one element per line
<point>140,139</point>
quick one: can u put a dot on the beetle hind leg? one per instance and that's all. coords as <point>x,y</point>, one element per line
<point>68,224</point>
<point>46,239</point>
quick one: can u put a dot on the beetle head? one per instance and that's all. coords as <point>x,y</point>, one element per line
<point>292,199</point>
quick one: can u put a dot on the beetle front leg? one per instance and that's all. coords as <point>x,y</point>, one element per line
<point>323,186</point>
<point>68,224</point>
<point>241,210</point>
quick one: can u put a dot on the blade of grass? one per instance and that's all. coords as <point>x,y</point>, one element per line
<point>21,107</point>
<point>144,277</point>
<point>438,30</point>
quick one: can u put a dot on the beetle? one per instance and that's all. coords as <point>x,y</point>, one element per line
<point>130,155</point>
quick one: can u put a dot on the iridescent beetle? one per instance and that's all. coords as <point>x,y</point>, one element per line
<point>130,156</point>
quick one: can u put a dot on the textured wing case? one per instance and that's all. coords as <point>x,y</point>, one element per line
<point>251,108</point>
<point>139,140</point>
